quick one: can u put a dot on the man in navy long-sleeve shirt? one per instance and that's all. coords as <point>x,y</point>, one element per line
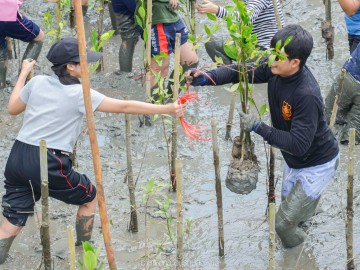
<point>299,129</point>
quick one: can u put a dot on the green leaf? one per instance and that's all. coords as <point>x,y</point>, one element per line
<point>166,204</point>
<point>191,38</point>
<point>142,12</point>
<point>90,260</point>
<point>263,110</point>
<point>167,121</point>
<point>288,40</point>
<point>251,100</point>
<point>230,51</point>
<point>271,59</point>
<point>211,16</point>
<point>207,30</point>
<point>139,21</point>
<point>87,247</point>
<point>234,87</point>
<point>278,45</point>
<point>219,60</point>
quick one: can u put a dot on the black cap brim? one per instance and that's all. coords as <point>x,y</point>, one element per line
<point>93,56</point>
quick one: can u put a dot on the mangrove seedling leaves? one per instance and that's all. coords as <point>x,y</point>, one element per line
<point>139,21</point>
<point>271,59</point>
<point>278,45</point>
<point>211,16</point>
<point>230,51</point>
<point>207,30</point>
<point>219,60</point>
<point>90,260</point>
<point>142,12</point>
<point>263,110</point>
<point>288,40</point>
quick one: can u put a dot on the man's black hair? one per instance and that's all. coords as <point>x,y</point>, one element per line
<point>301,44</point>
<point>64,76</point>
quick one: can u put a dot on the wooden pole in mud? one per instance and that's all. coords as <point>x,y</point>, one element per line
<point>336,101</point>
<point>179,219</point>
<point>271,196</point>
<point>277,14</point>
<point>272,243</point>
<point>72,14</point>
<point>44,229</point>
<point>148,58</point>
<point>9,48</point>
<point>133,227</point>
<point>192,20</point>
<point>327,30</point>
<point>92,134</point>
<point>71,245</point>
<point>349,208</point>
<point>231,116</point>
<point>218,190</point>
<point>174,121</point>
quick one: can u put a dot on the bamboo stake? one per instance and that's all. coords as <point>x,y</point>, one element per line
<point>133,227</point>
<point>272,243</point>
<point>218,186</point>
<point>148,58</point>
<point>271,198</point>
<point>58,20</point>
<point>336,101</point>
<point>192,22</point>
<point>277,14</point>
<point>44,229</point>
<point>174,122</point>
<point>71,244</point>
<point>231,116</point>
<point>92,134</point>
<point>328,35</point>
<point>179,211</point>
<point>349,208</point>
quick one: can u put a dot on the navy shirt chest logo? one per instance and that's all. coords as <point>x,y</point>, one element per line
<point>286,111</point>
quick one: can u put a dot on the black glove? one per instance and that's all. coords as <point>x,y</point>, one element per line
<point>249,122</point>
<point>196,78</point>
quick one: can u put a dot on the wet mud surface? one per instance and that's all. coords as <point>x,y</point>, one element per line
<point>245,225</point>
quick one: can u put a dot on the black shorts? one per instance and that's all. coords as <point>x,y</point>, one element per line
<point>23,29</point>
<point>23,167</point>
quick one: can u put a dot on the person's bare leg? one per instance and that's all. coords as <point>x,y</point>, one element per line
<point>188,55</point>
<point>34,47</point>
<point>85,221</point>
<point>8,232</point>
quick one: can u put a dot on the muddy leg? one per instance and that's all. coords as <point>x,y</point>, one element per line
<point>295,208</point>
<point>3,67</point>
<point>126,54</point>
<point>85,222</point>
<point>33,50</point>
<point>8,232</point>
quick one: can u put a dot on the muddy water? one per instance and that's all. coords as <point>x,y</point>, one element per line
<point>246,230</point>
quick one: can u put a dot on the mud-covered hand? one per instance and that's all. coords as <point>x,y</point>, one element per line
<point>173,5</point>
<point>195,77</point>
<point>27,66</point>
<point>207,7</point>
<point>249,122</point>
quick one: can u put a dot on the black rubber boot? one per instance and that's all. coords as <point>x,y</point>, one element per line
<point>33,50</point>
<point>84,227</point>
<point>126,54</point>
<point>3,67</point>
<point>5,245</point>
<point>112,18</point>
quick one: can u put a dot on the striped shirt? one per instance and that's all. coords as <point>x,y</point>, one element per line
<point>263,19</point>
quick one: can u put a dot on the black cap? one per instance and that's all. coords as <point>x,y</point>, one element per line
<point>66,51</point>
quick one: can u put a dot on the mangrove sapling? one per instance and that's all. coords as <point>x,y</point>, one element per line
<point>97,43</point>
<point>90,258</point>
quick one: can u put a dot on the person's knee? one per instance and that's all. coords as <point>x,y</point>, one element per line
<point>40,37</point>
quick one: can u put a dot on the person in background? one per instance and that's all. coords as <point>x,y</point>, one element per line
<point>348,91</point>
<point>352,21</point>
<point>125,25</point>
<point>299,130</point>
<point>15,25</point>
<point>55,106</point>
<point>263,19</point>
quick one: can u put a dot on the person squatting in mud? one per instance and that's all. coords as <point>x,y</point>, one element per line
<point>263,19</point>
<point>166,23</point>
<point>43,100</point>
<point>348,91</point>
<point>15,25</point>
<point>299,130</point>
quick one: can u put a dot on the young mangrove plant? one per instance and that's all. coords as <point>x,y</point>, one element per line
<point>90,258</point>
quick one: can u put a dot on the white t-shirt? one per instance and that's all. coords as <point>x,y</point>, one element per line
<point>54,112</point>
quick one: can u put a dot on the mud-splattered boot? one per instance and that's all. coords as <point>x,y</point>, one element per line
<point>126,54</point>
<point>84,227</point>
<point>5,245</point>
<point>295,208</point>
<point>3,67</point>
<point>32,51</point>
